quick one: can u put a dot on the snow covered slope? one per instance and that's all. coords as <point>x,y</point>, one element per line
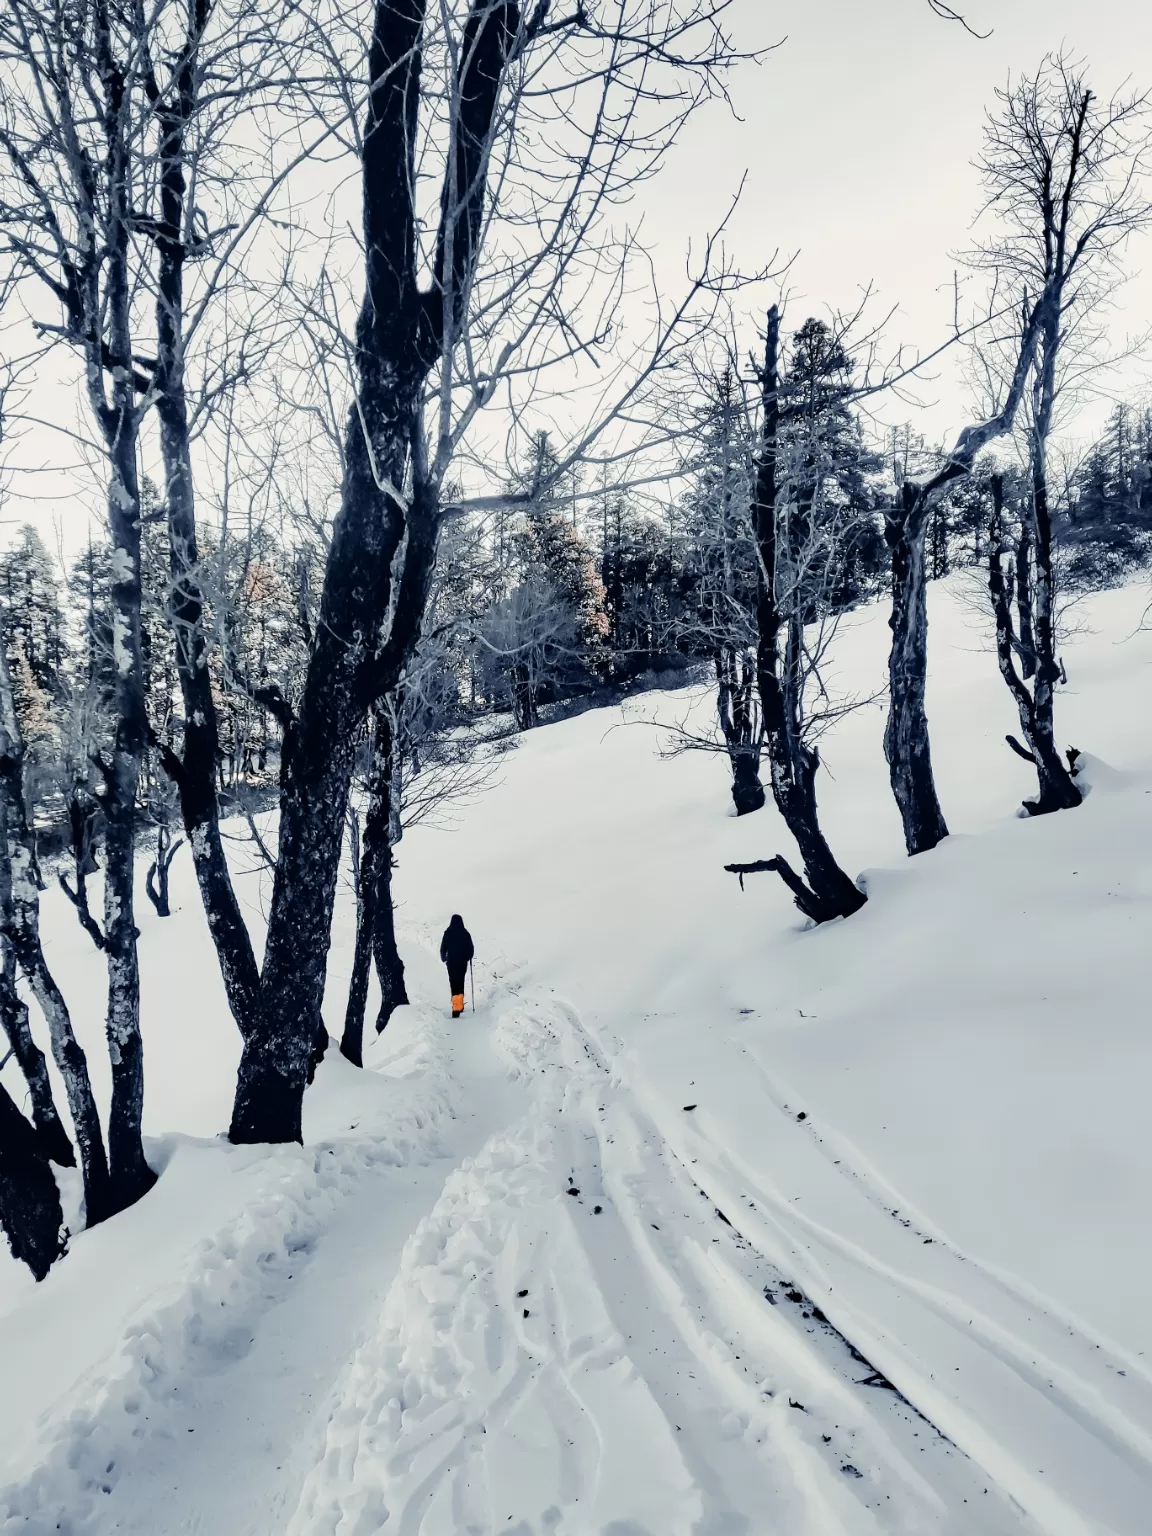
<point>705,1221</point>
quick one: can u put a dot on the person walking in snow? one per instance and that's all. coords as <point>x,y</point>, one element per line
<point>456,951</point>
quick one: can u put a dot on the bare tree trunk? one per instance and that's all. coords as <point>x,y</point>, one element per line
<point>83,811</point>
<point>50,1132</point>
<point>104,321</point>
<point>352,1040</point>
<point>385,952</point>
<point>79,899</point>
<point>20,919</point>
<point>30,1213</point>
<point>375,924</point>
<point>906,743</point>
<point>1027,637</point>
<point>829,891</point>
<point>129,1173</point>
<point>1057,789</point>
<point>195,770</point>
<point>740,727</point>
<point>156,881</point>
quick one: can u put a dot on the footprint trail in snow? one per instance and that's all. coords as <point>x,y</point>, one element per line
<point>577,1341</point>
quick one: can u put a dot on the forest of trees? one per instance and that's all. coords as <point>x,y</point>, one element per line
<point>331,599</point>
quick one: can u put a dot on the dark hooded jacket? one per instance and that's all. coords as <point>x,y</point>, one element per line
<point>456,951</point>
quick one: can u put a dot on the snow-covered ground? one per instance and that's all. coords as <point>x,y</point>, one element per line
<point>704,1221</point>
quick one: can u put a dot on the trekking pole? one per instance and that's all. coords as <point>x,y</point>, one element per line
<point>472,979</point>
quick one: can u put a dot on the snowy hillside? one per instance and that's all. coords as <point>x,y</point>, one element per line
<point>706,1220</point>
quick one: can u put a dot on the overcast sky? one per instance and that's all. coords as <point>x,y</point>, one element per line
<point>857,136</point>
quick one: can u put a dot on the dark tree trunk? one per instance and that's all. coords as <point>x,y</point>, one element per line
<point>110,313</point>
<point>156,882</point>
<point>1057,788</point>
<point>525,710</point>
<point>83,817</point>
<point>50,1132</point>
<point>368,631</point>
<point>829,891</point>
<point>195,771</point>
<point>30,1213</point>
<point>1027,636</point>
<point>375,925</point>
<point>906,742</point>
<point>79,899</point>
<point>352,1039</point>
<point>129,1174</point>
<point>740,727</point>
<point>20,919</point>
<point>385,953</point>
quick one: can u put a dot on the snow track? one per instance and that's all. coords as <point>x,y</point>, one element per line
<point>1057,1416</point>
<point>503,1291</point>
<point>577,1341</point>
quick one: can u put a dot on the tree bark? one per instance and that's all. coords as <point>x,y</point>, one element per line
<point>83,811</point>
<point>375,925</point>
<point>108,338</point>
<point>829,892</point>
<point>156,881</point>
<point>30,1212</point>
<point>50,1132</point>
<point>20,918</point>
<point>352,1039</point>
<point>385,952</point>
<point>906,741</point>
<point>129,1174</point>
<point>740,727</point>
<point>1057,788</point>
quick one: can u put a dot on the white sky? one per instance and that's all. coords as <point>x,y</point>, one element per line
<point>857,137</point>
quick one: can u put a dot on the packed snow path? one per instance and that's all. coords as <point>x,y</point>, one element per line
<point>578,1341</point>
<point>574,1338</point>
<point>521,1307</point>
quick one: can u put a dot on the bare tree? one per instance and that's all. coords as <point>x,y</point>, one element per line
<point>53,1138</point>
<point>906,524</point>
<point>20,922</point>
<point>73,95</point>
<point>802,536</point>
<point>438,330</point>
<point>1063,170</point>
